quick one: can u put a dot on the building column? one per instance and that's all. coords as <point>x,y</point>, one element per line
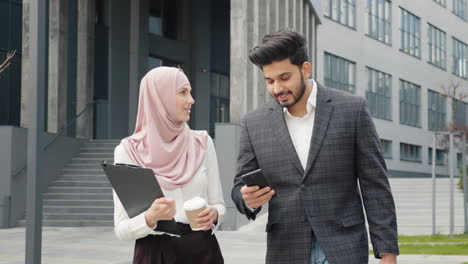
<point>250,22</point>
<point>85,69</point>
<point>25,66</point>
<point>239,51</point>
<point>57,75</point>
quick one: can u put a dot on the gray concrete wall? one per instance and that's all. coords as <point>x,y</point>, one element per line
<point>18,173</point>
<point>12,174</point>
<point>13,157</point>
<point>227,149</point>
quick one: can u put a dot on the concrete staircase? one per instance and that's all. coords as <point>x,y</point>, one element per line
<point>81,195</point>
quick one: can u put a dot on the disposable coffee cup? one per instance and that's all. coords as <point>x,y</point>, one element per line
<point>192,208</point>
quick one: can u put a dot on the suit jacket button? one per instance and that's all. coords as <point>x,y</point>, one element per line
<point>302,187</point>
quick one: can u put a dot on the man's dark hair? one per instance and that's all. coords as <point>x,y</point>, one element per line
<point>280,45</point>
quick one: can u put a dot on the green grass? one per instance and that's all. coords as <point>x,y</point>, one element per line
<point>457,249</point>
<point>433,239</point>
<point>461,248</point>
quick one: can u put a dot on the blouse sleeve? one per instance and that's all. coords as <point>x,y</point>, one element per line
<point>126,228</point>
<point>215,192</point>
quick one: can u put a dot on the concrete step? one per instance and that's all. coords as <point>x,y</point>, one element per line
<point>82,202</point>
<point>97,150</point>
<point>96,161</point>
<point>100,145</point>
<point>78,177</point>
<point>78,217</point>
<point>96,155</point>
<point>82,172</point>
<point>78,210</point>
<point>78,196</point>
<point>79,190</point>
<point>117,140</point>
<point>71,223</point>
<point>63,183</point>
<point>80,166</point>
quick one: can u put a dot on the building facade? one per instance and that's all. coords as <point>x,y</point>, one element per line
<point>401,56</point>
<point>98,51</point>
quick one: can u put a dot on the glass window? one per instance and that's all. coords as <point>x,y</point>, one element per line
<point>220,94</point>
<point>164,18</point>
<point>437,54</point>
<point>459,160</point>
<point>340,73</point>
<point>410,152</point>
<point>379,94</point>
<point>11,21</point>
<point>410,33</point>
<point>387,148</point>
<point>341,11</point>
<point>410,104</point>
<point>379,13</point>
<point>460,114</point>
<point>436,110</point>
<point>154,62</point>
<point>441,157</point>
<point>460,57</point>
<point>459,8</point>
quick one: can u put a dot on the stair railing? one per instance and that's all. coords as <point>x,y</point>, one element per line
<point>63,129</point>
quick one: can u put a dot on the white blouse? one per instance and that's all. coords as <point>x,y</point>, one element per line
<point>205,183</point>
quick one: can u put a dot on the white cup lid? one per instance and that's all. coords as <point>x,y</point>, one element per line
<point>194,203</point>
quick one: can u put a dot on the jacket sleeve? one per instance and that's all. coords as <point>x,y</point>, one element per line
<point>375,188</point>
<point>246,162</point>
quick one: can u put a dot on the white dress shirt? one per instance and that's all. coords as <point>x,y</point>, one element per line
<point>205,183</point>
<point>300,128</point>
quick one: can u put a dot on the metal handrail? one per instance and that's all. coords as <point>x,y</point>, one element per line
<point>58,134</point>
<point>88,106</point>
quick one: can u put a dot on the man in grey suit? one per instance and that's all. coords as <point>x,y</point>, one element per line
<point>319,149</point>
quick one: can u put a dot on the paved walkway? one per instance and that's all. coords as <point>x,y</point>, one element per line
<point>89,245</point>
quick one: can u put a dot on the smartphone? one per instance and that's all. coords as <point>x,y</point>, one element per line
<point>255,178</point>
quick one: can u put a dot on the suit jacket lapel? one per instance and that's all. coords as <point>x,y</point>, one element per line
<point>323,112</point>
<point>282,133</point>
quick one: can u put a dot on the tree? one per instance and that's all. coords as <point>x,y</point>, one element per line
<point>454,91</point>
<point>7,61</point>
<point>457,94</point>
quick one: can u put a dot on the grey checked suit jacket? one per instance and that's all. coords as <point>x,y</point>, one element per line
<point>324,200</point>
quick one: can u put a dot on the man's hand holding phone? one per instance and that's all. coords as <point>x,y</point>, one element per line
<point>256,197</point>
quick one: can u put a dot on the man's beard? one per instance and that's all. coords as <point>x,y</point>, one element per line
<point>301,94</point>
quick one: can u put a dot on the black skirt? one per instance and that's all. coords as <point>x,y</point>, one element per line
<point>193,247</point>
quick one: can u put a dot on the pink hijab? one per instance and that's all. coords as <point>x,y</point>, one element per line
<point>170,148</point>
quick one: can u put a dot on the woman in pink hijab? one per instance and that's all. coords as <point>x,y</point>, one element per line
<point>185,166</point>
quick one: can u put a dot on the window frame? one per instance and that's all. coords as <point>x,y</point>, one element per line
<point>380,95</point>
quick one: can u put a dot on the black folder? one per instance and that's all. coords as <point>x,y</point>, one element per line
<point>137,188</point>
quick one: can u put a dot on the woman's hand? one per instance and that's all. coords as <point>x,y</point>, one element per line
<point>161,209</point>
<point>207,218</point>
